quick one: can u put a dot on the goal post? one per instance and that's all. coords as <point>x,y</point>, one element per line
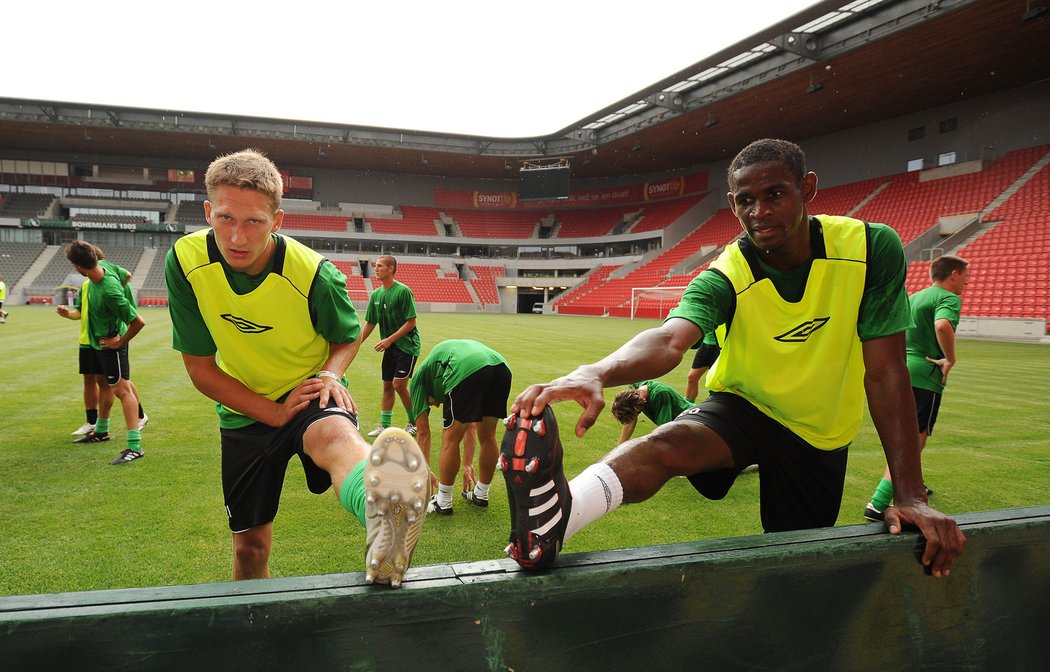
<point>665,299</point>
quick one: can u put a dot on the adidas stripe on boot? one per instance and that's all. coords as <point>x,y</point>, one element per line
<point>531,461</point>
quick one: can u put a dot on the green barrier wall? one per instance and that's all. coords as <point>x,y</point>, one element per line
<point>846,598</point>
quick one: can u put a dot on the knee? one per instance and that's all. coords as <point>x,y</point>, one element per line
<point>250,550</point>
<point>326,440</point>
<point>400,385</point>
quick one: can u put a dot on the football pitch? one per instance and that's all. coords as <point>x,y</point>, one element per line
<point>70,521</point>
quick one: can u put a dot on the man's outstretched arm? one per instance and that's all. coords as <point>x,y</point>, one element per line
<point>892,407</point>
<point>650,354</point>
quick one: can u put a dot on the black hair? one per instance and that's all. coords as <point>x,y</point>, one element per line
<point>768,150</point>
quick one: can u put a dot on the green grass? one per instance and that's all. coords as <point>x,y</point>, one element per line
<point>69,521</point>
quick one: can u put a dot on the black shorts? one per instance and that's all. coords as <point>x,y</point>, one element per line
<point>397,364</point>
<point>800,486</point>
<point>927,405</point>
<point>89,364</point>
<point>706,355</point>
<point>254,461</point>
<point>482,394</point>
<point>114,364</point>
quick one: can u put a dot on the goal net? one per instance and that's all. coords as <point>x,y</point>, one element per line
<point>654,302</point>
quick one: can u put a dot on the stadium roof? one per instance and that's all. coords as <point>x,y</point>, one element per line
<point>833,66</point>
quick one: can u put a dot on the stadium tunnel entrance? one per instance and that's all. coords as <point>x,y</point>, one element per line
<point>531,299</point>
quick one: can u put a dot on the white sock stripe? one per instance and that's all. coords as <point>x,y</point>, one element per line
<point>537,510</point>
<point>595,492</point>
<point>550,524</point>
<point>535,492</point>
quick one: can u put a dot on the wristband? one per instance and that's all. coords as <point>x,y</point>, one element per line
<point>329,374</point>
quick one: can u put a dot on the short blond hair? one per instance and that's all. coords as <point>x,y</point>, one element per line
<point>246,169</point>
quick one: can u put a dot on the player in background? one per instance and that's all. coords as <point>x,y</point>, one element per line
<point>393,308</point>
<point>658,401</point>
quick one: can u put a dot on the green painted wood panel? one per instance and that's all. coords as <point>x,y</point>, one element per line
<point>846,598</point>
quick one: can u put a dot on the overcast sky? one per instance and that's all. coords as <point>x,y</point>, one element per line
<point>497,69</point>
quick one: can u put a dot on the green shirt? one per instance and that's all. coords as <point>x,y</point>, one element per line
<point>708,300</point>
<point>448,365</point>
<point>927,306</point>
<point>390,309</point>
<point>122,275</point>
<point>663,403</point>
<point>112,308</point>
<point>332,314</point>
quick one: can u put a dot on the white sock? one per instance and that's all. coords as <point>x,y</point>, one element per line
<point>481,490</point>
<point>444,495</point>
<point>595,492</point>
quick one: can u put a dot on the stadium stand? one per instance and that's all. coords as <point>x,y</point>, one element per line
<point>52,275</point>
<point>845,199</point>
<point>656,216</point>
<point>483,281</point>
<point>918,276</point>
<point>503,224</point>
<point>154,290</point>
<point>128,257</point>
<point>569,223</point>
<point>432,284</point>
<point>414,221</point>
<point>22,204</point>
<point>190,213</point>
<point>1015,283</point>
<point>1009,279</point>
<point>1010,274</point>
<point>658,272</point>
<point>357,287</point>
<point>575,296</point>
<point>613,295</point>
<point>312,222</point>
<point>59,268</point>
<point>590,223</point>
<point>15,260</point>
<point>912,206</point>
<point>591,297</point>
